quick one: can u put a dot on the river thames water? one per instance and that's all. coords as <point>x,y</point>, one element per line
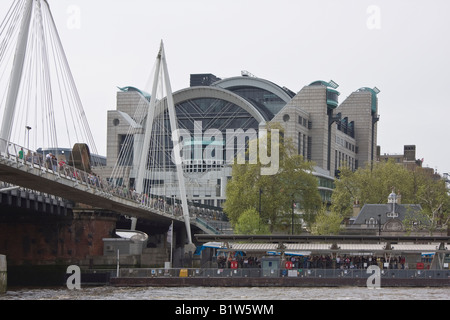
<point>208,293</point>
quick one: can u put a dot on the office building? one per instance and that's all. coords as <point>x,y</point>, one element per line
<point>322,130</point>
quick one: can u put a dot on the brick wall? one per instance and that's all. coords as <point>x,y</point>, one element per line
<point>45,240</point>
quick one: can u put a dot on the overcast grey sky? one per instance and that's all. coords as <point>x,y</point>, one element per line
<point>402,47</point>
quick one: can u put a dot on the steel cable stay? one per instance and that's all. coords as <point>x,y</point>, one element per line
<point>65,103</point>
<point>9,25</point>
<point>158,157</point>
<point>8,16</point>
<point>77,100</point>
<point>24,98</point>
<point>47,99</point>
<point>126,152</point>
<point>121,172</point>
<point>7,46</point>
<point>72,95</point>
<point>40,94</point>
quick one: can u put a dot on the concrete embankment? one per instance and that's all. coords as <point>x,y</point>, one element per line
<point>3,274</point>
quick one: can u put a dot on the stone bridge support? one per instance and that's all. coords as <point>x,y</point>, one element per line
<point>3,274</point>
<point>41,245</point>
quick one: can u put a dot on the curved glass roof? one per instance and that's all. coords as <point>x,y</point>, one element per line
<point>201,113</point>
<point>266,96</point>
<point>214,113</point>
<point>266,102</point>
<point>330,84</point>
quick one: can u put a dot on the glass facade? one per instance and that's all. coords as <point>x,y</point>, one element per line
<point>332,98</point>
<point>266,102</point>
<point>214,114</point>
<point>346,127</point>
<point>205,110</point>
<point>192,115</point>
<point>326,187</point>
<point>332,95</point>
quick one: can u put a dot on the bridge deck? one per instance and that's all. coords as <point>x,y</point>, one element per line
<point>74,185</point>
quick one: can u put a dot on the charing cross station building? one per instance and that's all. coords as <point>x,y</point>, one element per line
<point>323,130</point>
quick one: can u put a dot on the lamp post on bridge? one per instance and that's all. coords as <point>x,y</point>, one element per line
<point>28,138</point>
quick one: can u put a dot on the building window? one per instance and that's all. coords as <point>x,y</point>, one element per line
<point>220,203</point>
<point>335,159</point>
<point>125,153</point>
<point>304,146</point>
<point>309,155</point>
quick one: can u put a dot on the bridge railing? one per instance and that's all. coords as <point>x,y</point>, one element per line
<point>20,156</point>
<point>45,163</point>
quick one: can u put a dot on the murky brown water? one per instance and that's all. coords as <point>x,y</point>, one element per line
<point>206,293</point>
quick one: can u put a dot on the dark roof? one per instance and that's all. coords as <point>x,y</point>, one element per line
<point>307,238</point>
<point>369,211</point>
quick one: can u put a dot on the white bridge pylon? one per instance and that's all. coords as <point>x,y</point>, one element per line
<point>38,94</point>
<point>161,76</point>
<point>16,76</point>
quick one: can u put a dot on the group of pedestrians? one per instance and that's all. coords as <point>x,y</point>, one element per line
<point>346,262</point>
<point>241,262</point>
<point>317,262</point>
<point>60,166</point>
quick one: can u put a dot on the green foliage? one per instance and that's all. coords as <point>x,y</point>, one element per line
<point>433,196</point>
<point>248,189</point>
<point>415,221</point>
<point>250,223</point>
<point>373,185</point>
<point>345,193</point>
<point>327,223</point>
